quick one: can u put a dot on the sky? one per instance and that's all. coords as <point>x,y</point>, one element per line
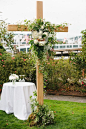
<point>55,11</point>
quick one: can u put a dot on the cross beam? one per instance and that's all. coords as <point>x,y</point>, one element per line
<point>39,76</point>
<point>24,28</point>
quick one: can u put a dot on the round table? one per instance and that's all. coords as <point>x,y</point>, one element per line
<point>15,98</point>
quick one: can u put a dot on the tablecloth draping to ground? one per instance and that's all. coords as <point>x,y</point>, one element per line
<point>15,98</point>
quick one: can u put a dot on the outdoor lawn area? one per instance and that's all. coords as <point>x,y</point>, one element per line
<point>68,115</point>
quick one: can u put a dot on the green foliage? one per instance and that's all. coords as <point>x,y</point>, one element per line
<point>84,47</point>
<point>80,59</point>
<point>5,35</point>
<point>57,72</point>
<point>2,48</point>
<point>61,42</point>
<point>20,64</point>
<point>41,115</point>
<point>3,56</point>
<point>37,23</point>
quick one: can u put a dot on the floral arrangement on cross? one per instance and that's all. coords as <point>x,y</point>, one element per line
<point>43,36</point>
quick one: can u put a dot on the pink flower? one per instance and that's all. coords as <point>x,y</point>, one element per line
<point>15,71</point>
<point>24,59</point>
<point>0,54</point>
<point>84,85</point>
<point>2,60</point>
<point>46,80</point>
<point>82,82</point>
<point>13,58</point>
<point>52,49</point>
<point>3,65</point>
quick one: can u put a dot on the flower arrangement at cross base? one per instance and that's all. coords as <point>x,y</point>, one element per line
<point>13,78</point>
<point>41,115</point>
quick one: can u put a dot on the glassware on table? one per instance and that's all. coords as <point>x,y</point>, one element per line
<point>21,78</point>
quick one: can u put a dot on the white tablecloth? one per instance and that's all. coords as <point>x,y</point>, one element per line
<point>16,99</point>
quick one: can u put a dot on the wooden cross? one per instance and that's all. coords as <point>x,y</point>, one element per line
<point>39,76</point>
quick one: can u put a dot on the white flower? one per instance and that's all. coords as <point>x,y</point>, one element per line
<point>40,32</point>
<point>42,27</point>
<point>13,77</point>
<point>35,34</point>
<point>46,33</point>
<point>46,39</point>
<point>40,37</point>
<point>17,77</point>
<point>50,35</point>
<point>42,43</point>
<point>35,41</point>
<point>52,114</point>
<point>48,47</point>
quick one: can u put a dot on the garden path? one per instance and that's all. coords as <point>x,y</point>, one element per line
<point>66,98</point>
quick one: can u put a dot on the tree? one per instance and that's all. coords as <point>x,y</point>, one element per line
<point>80,59</point>
<point>5,35</point>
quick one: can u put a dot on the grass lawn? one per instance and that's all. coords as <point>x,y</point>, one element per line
<point>68,115</point>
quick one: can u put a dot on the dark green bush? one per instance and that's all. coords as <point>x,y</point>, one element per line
<point>57,73</point>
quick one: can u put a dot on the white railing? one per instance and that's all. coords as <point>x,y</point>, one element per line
<point>25,47</point>
<point>66,46</point>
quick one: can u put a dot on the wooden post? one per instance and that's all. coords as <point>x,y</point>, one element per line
<point>39,9</point>
<point>39,76</point>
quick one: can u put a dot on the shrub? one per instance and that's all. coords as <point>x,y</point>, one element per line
<point>57,73</point>
<point>79,60</point>
<point>3,56</point>
<point>21,64</point>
